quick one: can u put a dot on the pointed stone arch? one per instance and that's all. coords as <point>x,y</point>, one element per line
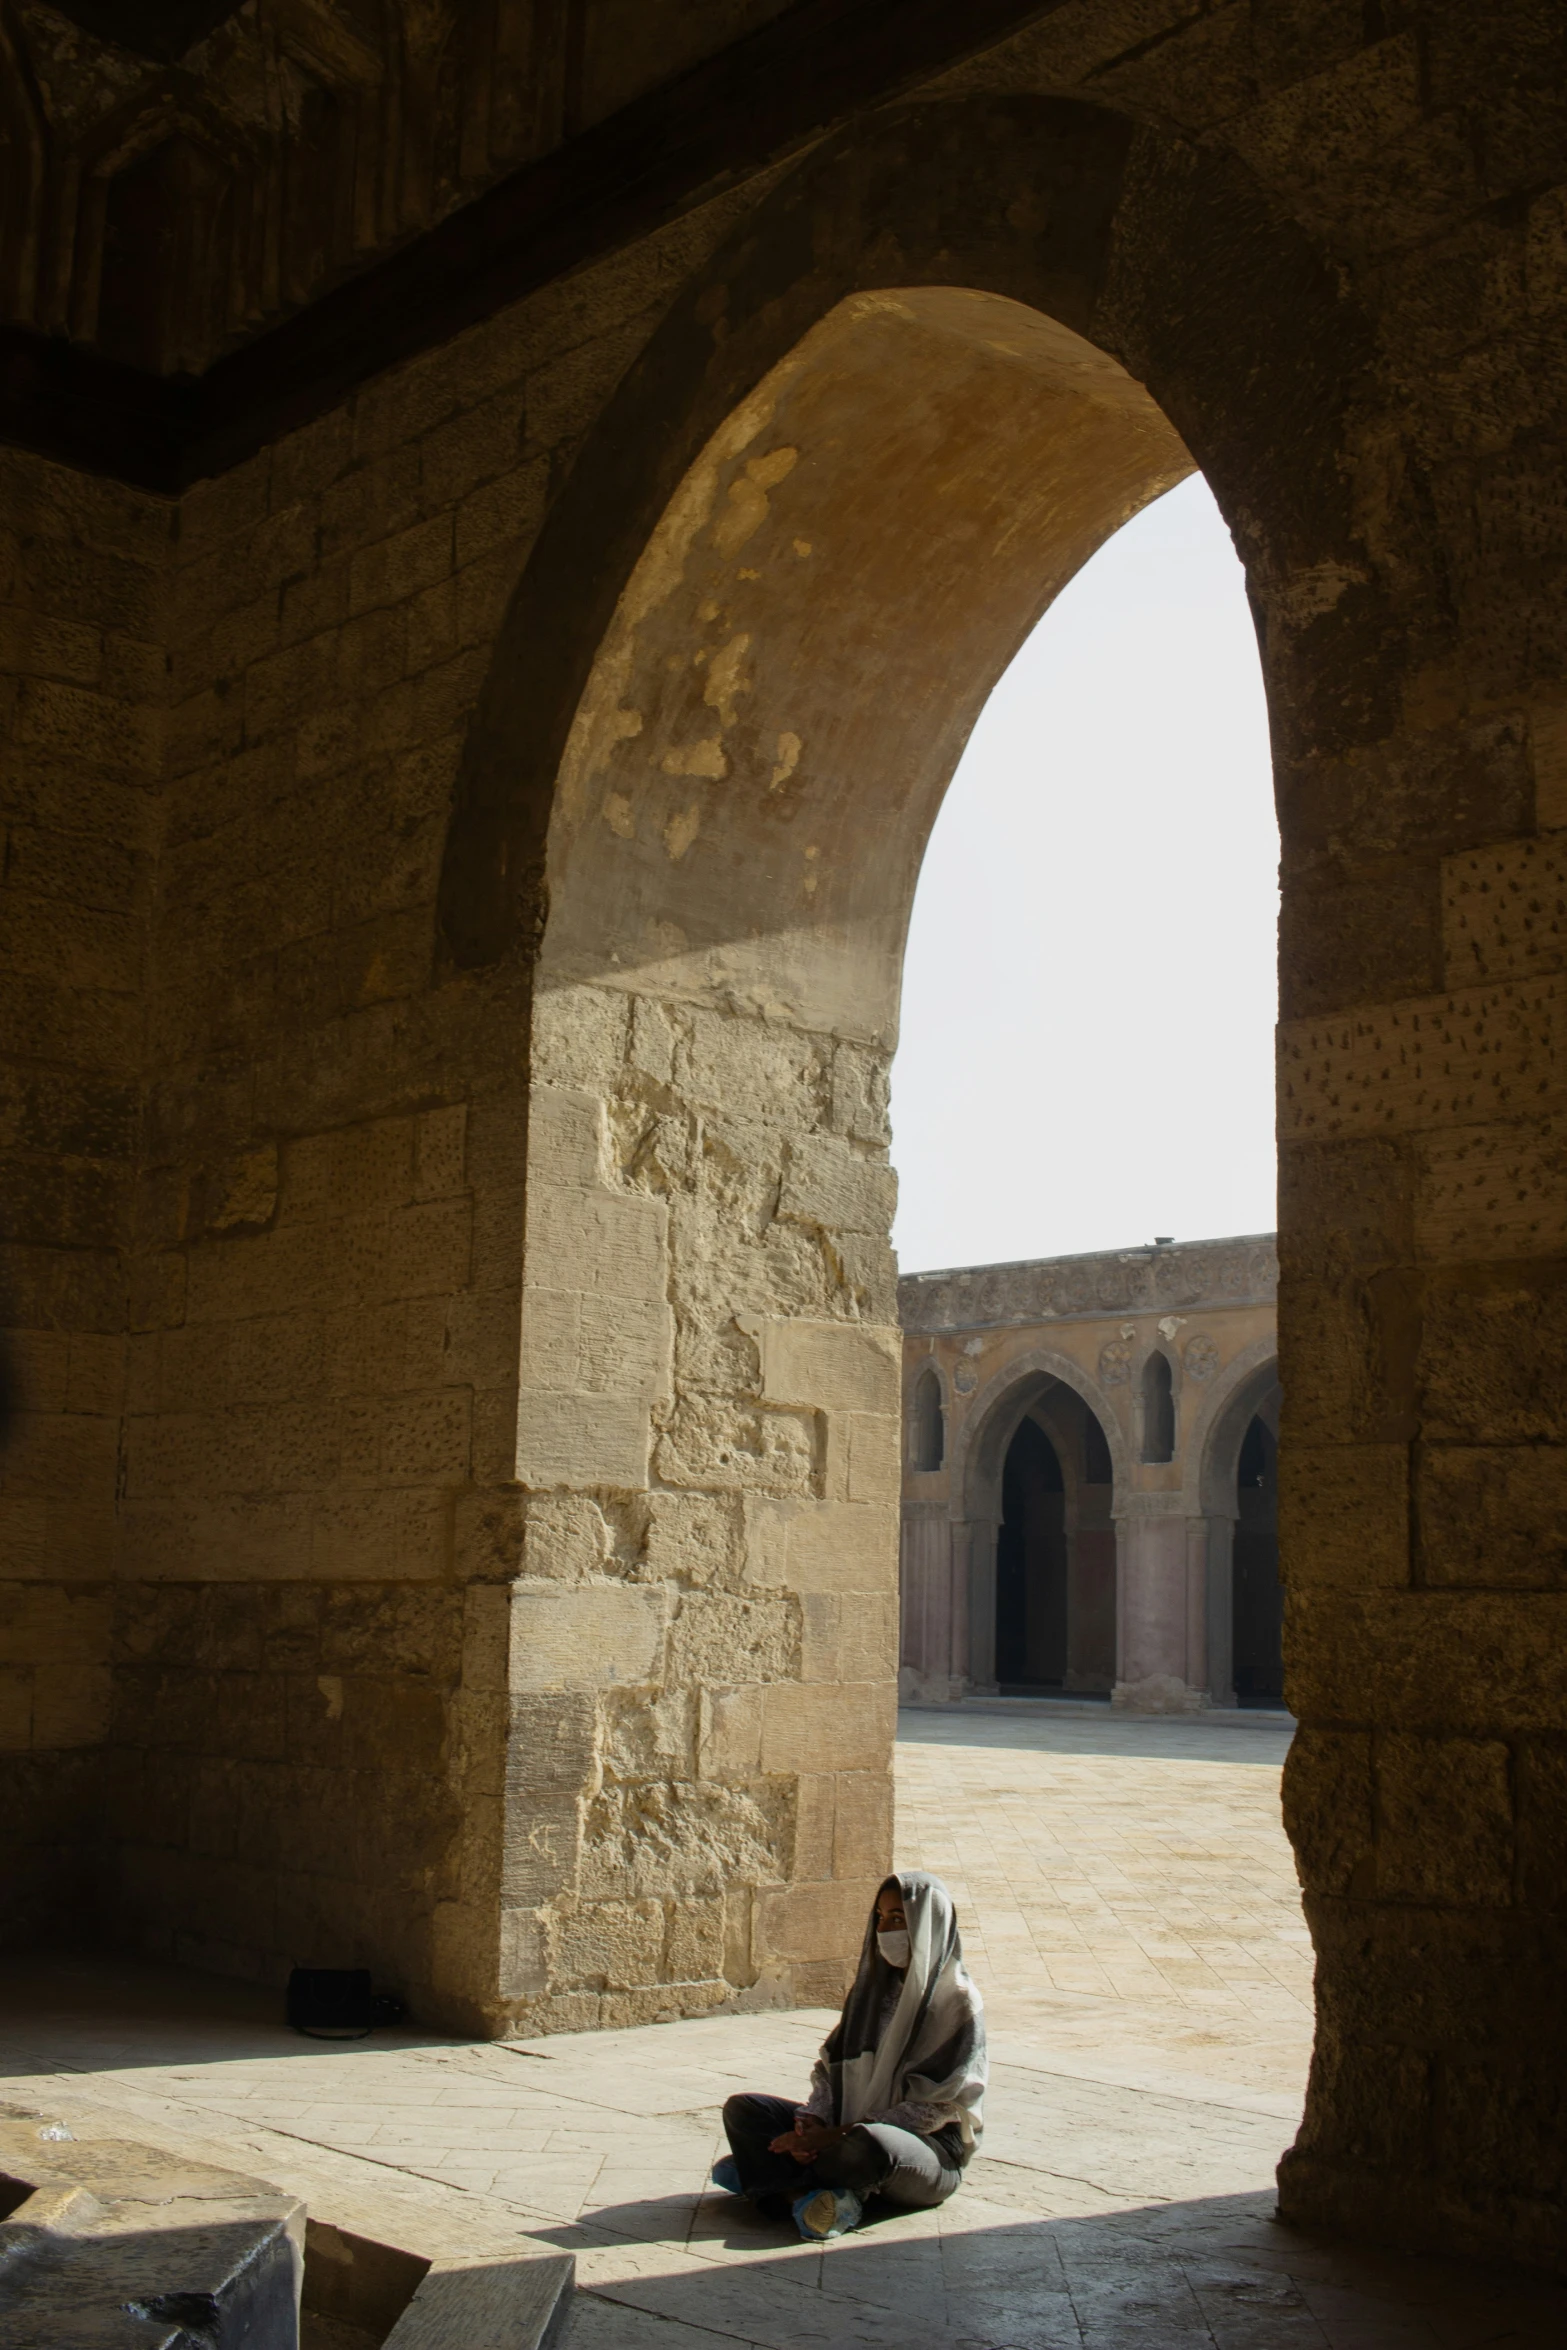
<point>737,641</point>
<point>1064,209</point>
<point>1049,1385</point>
<point>923,381</point>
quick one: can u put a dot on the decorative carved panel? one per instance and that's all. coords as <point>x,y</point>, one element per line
<point>1243,1271</point>
<point>166,195</point>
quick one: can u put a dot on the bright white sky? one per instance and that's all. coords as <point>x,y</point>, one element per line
<point>1089,992</point>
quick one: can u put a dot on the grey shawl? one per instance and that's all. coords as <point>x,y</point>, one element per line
<point>931,2048</point>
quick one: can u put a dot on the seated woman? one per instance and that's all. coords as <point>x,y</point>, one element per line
<point>896,2094</point>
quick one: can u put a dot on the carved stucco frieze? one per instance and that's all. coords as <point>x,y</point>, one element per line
<point>1152,1280</point>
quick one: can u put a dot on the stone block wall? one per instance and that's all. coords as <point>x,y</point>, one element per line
<point>309,1734</point>
<point>1426,1799</point>
<point>702,1637</point>
<point>326,1606</point>
<point>326,1276</point>
<point>83,568</point>
<point>283,1597</point>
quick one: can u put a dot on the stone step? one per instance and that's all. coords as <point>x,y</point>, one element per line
<point>104,2239</point>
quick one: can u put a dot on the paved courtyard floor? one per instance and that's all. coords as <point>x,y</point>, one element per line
<point>1127,1894</point>
<point>1130,1910</point>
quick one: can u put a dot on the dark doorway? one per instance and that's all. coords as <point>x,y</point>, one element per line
<point>1031,1566</point>
<point>1259,1602</point>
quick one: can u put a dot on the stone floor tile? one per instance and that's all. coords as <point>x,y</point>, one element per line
<point>474,2178</point>
<point>549,2185</point>
<point>641,2207</point>
<point>896,2266</point>
<point>597,2324</point>
<point>768,2304</point>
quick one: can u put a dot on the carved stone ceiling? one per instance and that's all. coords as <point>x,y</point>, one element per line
<point>215,219</point>
<point>167,192</point>
<point>164,29</point>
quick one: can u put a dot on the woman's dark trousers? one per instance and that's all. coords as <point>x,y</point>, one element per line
<point>874,2159</point>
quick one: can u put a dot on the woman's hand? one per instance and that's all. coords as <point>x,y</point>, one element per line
<point>807,2139</point>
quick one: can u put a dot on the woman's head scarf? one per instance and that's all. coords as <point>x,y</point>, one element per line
<point>931,2050</point>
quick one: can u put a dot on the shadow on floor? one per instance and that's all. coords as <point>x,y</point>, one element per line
<point>1137,1737</point>
<point>1222,2270</point>
<point>86,2012</point>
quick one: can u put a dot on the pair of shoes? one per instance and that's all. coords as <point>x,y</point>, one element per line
<point>827,2211</point>
<point>726,2174</point>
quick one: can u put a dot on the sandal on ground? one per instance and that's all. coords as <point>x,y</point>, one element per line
<point>827,2211</point>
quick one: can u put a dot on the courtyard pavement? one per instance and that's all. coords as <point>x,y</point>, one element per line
<point>1130,1911</point>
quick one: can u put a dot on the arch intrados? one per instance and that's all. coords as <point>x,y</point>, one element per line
<point>808,637</point>
<point>1030,1399</point>
<point>997,1411</point>
<point>1048,203</point>
<point>1059,1426</point>
<point>1229,1412</point>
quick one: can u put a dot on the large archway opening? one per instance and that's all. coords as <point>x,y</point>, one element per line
<point>1238,1488</point>
<point>710,1353</point>
<point>802,649</point>
<point>714,1426</point>
<point>794,599</point>
<point>712,1421</point>
<point>1037,1482</point>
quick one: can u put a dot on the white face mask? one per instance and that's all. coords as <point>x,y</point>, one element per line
<point>894,1946</point>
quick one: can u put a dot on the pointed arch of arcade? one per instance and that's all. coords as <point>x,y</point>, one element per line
<point>1247,1388</point>
<point>907,396</point>
<point>1227,1410</point>
<point>1036,1383</point>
